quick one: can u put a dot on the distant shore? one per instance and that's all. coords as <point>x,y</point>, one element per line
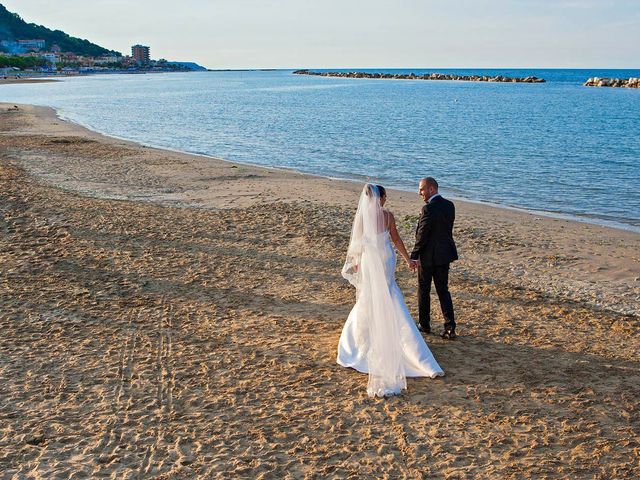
<point>25,79</point>
<point>39,77</point>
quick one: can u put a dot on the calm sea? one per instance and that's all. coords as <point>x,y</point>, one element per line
<point>556,147</point>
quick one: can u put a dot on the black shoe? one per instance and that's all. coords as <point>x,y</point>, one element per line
<point>424,330</point>
<point>449,335</point>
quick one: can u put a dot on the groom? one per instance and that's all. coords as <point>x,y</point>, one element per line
<point>433,252</point>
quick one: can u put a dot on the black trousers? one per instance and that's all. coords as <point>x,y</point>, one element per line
<point>440,276</point>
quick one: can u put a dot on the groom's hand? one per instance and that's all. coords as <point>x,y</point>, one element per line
<point>413,264</point>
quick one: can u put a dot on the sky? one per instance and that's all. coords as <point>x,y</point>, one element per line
<point>233,34</point>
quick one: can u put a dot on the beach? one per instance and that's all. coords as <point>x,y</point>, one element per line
<point>22,79</point>
<point>167,315</point>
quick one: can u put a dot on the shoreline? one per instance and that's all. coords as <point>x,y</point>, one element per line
<point>557,216</point>
<point>41,77</point>
<point>26,79</point>
<point>616,225</point>
<point>145,338</point>
<point>94,164</point>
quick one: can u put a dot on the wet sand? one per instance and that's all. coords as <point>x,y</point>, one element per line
<point>173,316</point>
<point>12,79</point>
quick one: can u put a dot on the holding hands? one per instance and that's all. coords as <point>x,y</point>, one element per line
<point>413,264</point>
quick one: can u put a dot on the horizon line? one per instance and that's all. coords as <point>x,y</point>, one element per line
<point>418,68</point>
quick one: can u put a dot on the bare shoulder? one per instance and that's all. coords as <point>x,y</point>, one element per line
<point>391,220</point>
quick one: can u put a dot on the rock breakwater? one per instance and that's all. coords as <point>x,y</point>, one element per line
<point>613,82</point>
<point>426,76</point>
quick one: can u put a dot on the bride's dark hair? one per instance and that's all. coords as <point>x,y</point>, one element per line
<point>382,192</point>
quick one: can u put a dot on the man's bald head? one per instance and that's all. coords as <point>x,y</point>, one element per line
<point>427,188</point>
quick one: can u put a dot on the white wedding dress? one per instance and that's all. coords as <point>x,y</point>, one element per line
<point>380,337</point>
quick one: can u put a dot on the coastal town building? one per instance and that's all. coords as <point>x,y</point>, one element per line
<point>22,46</point>
<point>23,55</point>
<point>107,59</point>
<point>50,57</point>
<point>140,53</point>
<point>32,45</point>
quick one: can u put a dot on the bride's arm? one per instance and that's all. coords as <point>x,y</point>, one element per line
<point>395,238</point>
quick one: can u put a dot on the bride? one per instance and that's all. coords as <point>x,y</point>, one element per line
<point>380,337</point>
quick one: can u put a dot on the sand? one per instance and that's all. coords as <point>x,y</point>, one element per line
<point>165,315</point>
<point>22,79</point>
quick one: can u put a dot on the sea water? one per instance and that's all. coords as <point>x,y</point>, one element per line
<point>555,147</point>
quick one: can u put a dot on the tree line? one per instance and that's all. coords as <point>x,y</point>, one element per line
<point>21,62</point>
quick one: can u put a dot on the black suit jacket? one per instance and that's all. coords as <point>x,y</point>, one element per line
<point>434,235</point>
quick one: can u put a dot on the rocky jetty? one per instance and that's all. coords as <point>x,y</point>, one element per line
<point>613,82</point>
<point>426,76</point>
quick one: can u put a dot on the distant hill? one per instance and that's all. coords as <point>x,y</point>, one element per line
<point>13,28</point>
<point>188,66</point>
